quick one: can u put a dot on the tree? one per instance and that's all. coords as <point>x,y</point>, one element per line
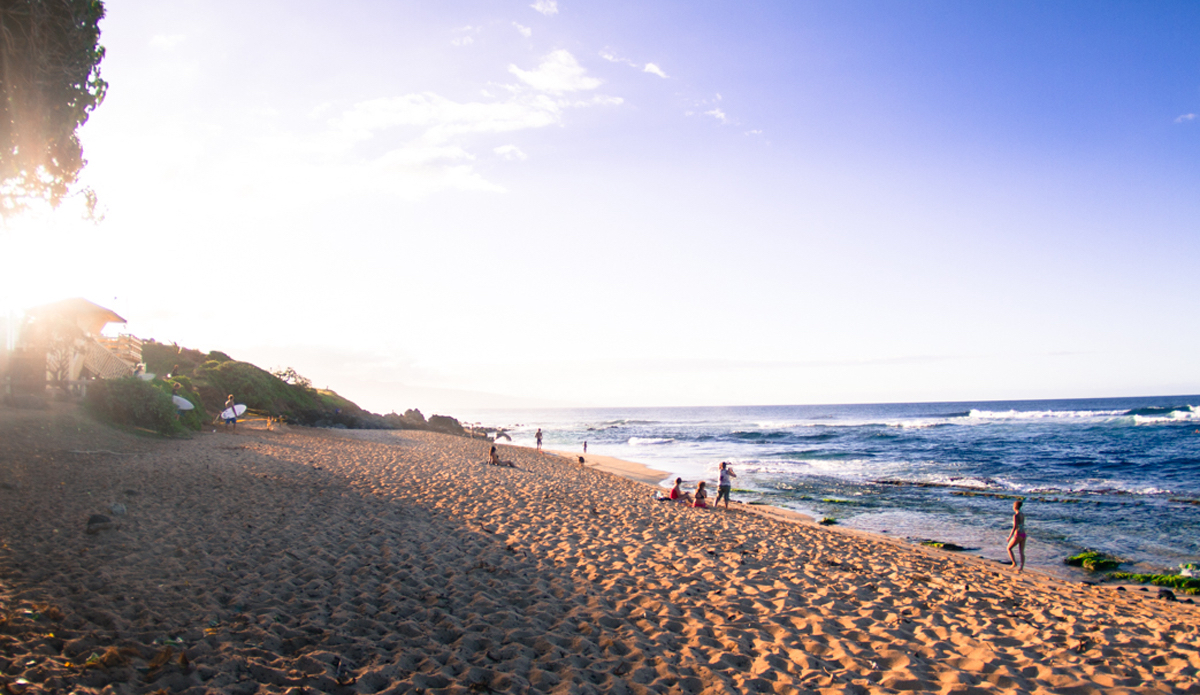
<point>49,84</point>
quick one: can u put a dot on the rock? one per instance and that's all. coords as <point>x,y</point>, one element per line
<point>98,522</point>
<point>1166,594</point>
<point>117,509</point>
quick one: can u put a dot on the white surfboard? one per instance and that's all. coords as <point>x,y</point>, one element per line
<point>182,403</point>
<point>234,412</point>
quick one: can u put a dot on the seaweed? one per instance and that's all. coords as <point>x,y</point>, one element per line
<point>943,545</point>
<point>1187,585</point>
<point>1095,561</point>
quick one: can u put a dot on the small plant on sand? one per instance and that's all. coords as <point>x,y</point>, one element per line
<point>1095,561</point>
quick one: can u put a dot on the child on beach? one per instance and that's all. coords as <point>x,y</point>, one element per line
<point>1016,537</point>
<point>724,485</point>
<point>700,496</point>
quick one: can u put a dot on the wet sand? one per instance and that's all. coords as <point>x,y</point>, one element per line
<point>298,560</point>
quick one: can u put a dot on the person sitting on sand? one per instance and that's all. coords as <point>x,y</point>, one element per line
<point>700,496</point>
<point>1016,537</point>
<point>495,457</point>
<point>677,492</point>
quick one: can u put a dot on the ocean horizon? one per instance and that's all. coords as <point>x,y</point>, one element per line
<point>1118,475</point>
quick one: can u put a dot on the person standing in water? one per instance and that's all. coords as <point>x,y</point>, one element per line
<point>538,436</point>
<point>1016,537</point>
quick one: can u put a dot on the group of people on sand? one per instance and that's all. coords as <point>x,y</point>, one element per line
<point>699,498</point>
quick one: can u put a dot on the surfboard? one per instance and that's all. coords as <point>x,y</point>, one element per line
<point>234,412</point>
<point>182,403</point>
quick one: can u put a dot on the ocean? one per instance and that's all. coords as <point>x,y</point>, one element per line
<point>1119,475</point>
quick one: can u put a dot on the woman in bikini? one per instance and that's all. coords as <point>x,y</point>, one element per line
<point>700,496</point>
<point>1016,537</point>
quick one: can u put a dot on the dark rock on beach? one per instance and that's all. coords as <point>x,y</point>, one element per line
<point>97,523</point>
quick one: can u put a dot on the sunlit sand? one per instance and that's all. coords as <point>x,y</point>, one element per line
<point>288,561</point>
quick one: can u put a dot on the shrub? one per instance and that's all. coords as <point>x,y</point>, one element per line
<point>193,419</point>
<point>132,402</point>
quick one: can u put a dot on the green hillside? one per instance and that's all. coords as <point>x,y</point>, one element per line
<point>207,379</point>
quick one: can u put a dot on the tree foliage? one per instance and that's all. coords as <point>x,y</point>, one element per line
<point>50,83</point>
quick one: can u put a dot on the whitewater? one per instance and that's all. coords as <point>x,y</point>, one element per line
<point>1120,475</point>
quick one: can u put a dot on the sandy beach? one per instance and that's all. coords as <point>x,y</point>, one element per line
<point>297,560</point>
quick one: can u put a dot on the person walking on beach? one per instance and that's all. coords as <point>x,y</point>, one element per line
<point>585,447</point>
<point>538,436</point>
<point>698,499</point>
<point>1016,537</point>
<point>724,485</point>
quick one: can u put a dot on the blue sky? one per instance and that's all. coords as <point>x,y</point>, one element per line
<point>463,205</point>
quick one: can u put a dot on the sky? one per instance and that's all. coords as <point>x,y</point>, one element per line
<point>480,204</point>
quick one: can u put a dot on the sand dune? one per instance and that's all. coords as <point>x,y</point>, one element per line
<point>318,561</point>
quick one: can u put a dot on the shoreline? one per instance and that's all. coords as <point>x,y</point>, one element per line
<point>397,561</point>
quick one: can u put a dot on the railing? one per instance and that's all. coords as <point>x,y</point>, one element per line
<point>126,347</point>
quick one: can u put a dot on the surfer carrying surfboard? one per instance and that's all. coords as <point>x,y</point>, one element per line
<point>230,412</point>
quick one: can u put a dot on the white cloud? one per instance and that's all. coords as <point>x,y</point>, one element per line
<point>718,114</point>
<point>511,153</point>
<point>167,41</point>
<point>654,70</point>
<point>546,7</point>
<point>614,58</point>
<point>525,31</point>
<point>463,41</point>
<point>1186,117</point>
<point>753,132</point>
<point>558,72</point>
<point>442,118</point>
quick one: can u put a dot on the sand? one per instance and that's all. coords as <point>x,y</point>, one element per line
<point>299,560</point>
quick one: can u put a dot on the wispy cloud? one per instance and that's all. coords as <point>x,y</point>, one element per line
<point>1185,118</point>
<point>467,37</point>
<point>718,114</point>
<point>525,31</point>
<point>411,146</point>
<point>558,72</point>
<point>546,7</point>
<point>654,70</point>
<point>511,153</point>
<point>167,41</point>
<point>756,131</point>
<point>614,58</point>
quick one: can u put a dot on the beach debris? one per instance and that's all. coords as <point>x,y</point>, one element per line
<point>828,521</point>
<point>109,658</point>
<point>47,611</point>
<point>97,523</point>
<point>160,659</point>
<point>117,509</point>
<point>342,671</point>
<point>19,686</point>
